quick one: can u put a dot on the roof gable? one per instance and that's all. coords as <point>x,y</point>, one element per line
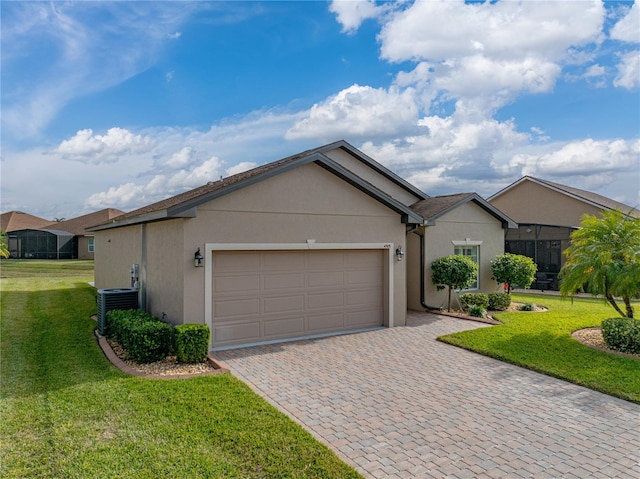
<point>17,220</point>
<point>78,226</point>
<point>593,199</point>
<point>184,205</point>
<point>436,206</point>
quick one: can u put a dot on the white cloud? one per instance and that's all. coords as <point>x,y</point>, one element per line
<point>504,30</point>
<point>585,157</point>
<point>628,71</point>
<point>359,110</point>
<point>351,13</point>
<point>85,146</point>
<point>180,158</point>
<point>628,29</point>
<point>174,35</point>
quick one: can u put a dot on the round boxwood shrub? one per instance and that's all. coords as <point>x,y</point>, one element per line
<point>622,334</point>
<point>499,301</point>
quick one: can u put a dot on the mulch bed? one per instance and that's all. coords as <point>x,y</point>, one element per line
<point>169,368</point>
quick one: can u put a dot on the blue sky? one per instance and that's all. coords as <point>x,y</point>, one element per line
<point>119,104</point>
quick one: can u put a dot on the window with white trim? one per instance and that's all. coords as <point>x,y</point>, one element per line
<point>90,245</point>
<point>471,249</point>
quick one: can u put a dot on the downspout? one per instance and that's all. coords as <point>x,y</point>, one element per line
<point>143,267</point>
<point>415,231</point>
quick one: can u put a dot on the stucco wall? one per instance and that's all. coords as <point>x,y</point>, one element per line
<point>467,221</point>
<point>371,176</point>
<point>165,268</point>
<point>83,248</point>
<point>116,250</point>
<point>305,203</point>
<point>529,202</point>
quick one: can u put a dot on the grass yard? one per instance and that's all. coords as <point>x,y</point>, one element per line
<point>542,341</point>
<point>67,412</point>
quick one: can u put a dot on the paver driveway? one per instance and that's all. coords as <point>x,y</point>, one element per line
<point>396,403</point>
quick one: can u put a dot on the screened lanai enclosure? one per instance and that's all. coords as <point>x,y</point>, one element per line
<point>545,245</point>
<point>42,244</point>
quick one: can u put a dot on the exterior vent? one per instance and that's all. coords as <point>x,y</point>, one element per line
<point>114,298</point>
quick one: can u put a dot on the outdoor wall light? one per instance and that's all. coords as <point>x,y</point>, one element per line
<point>399,253</point>
<point>197,259</point>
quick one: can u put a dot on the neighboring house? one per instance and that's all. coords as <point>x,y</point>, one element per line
<point>55,240</point>
<point>547,213</point>
<point>17,220</point>
<point>309,245</point>
<point>78,227</point>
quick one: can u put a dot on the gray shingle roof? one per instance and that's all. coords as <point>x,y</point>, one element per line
<point>182,205</point>
<point>434,207</point>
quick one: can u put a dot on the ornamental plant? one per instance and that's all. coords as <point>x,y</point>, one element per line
<point>513,269</point>
<point>604,259</point>
<point>453,272</point>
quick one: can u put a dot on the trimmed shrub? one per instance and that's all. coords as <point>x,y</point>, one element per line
<point>474,299</point>
<point>145,338</point>
<point>149,341</point>
<point>119,320</point>
<point>528,307</point>
<point>477,311</point>
<point>622,334</point>
<point>192,343</point>
<point>499,301</point>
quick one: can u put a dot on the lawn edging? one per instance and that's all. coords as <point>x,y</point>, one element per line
<point>219,367</point>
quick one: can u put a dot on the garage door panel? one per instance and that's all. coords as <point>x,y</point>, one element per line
<point>224,284</point>
<point>365,276</point>
<point>241,332</point>
<point>365,297</point>
<point>284,281</point>
<point>274,295</point>
<point>283,261</point>
<point>284,327</point>
<point>325,278</point>
<point>325,259</point>
<point>325,322</point>
<point>364,319</point>
<point>229,308</point>
<point>325,300</point>
<point>284,304</point>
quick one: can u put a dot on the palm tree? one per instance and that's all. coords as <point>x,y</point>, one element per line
<point>4,251</point>
<point>604,258</point>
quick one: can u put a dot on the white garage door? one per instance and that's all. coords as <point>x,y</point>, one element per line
<point>275,295</point>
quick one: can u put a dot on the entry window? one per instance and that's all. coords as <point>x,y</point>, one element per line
<point>472,250</point>
<point>90,245</point>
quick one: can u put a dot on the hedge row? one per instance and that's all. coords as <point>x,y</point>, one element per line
<point>492,301</point>
<point>147,339</point>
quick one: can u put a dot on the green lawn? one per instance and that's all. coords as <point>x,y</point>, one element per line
<point>67,412</point>
<point>542,342</point>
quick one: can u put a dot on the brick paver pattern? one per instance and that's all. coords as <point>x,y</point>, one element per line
<point>396,403</point>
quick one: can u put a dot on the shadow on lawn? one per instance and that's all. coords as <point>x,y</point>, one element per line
<point>48,341</point>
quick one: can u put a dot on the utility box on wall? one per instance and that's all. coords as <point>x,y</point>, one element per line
<point>114,298</point>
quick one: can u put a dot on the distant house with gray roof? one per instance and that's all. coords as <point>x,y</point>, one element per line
<point>547,213</point>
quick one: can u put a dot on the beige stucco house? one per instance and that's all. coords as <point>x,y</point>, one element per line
<point>30,237</point>
<point>547,213</point>
<point>318,243</point>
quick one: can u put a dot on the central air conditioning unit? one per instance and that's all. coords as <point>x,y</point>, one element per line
<point>114,298</point>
